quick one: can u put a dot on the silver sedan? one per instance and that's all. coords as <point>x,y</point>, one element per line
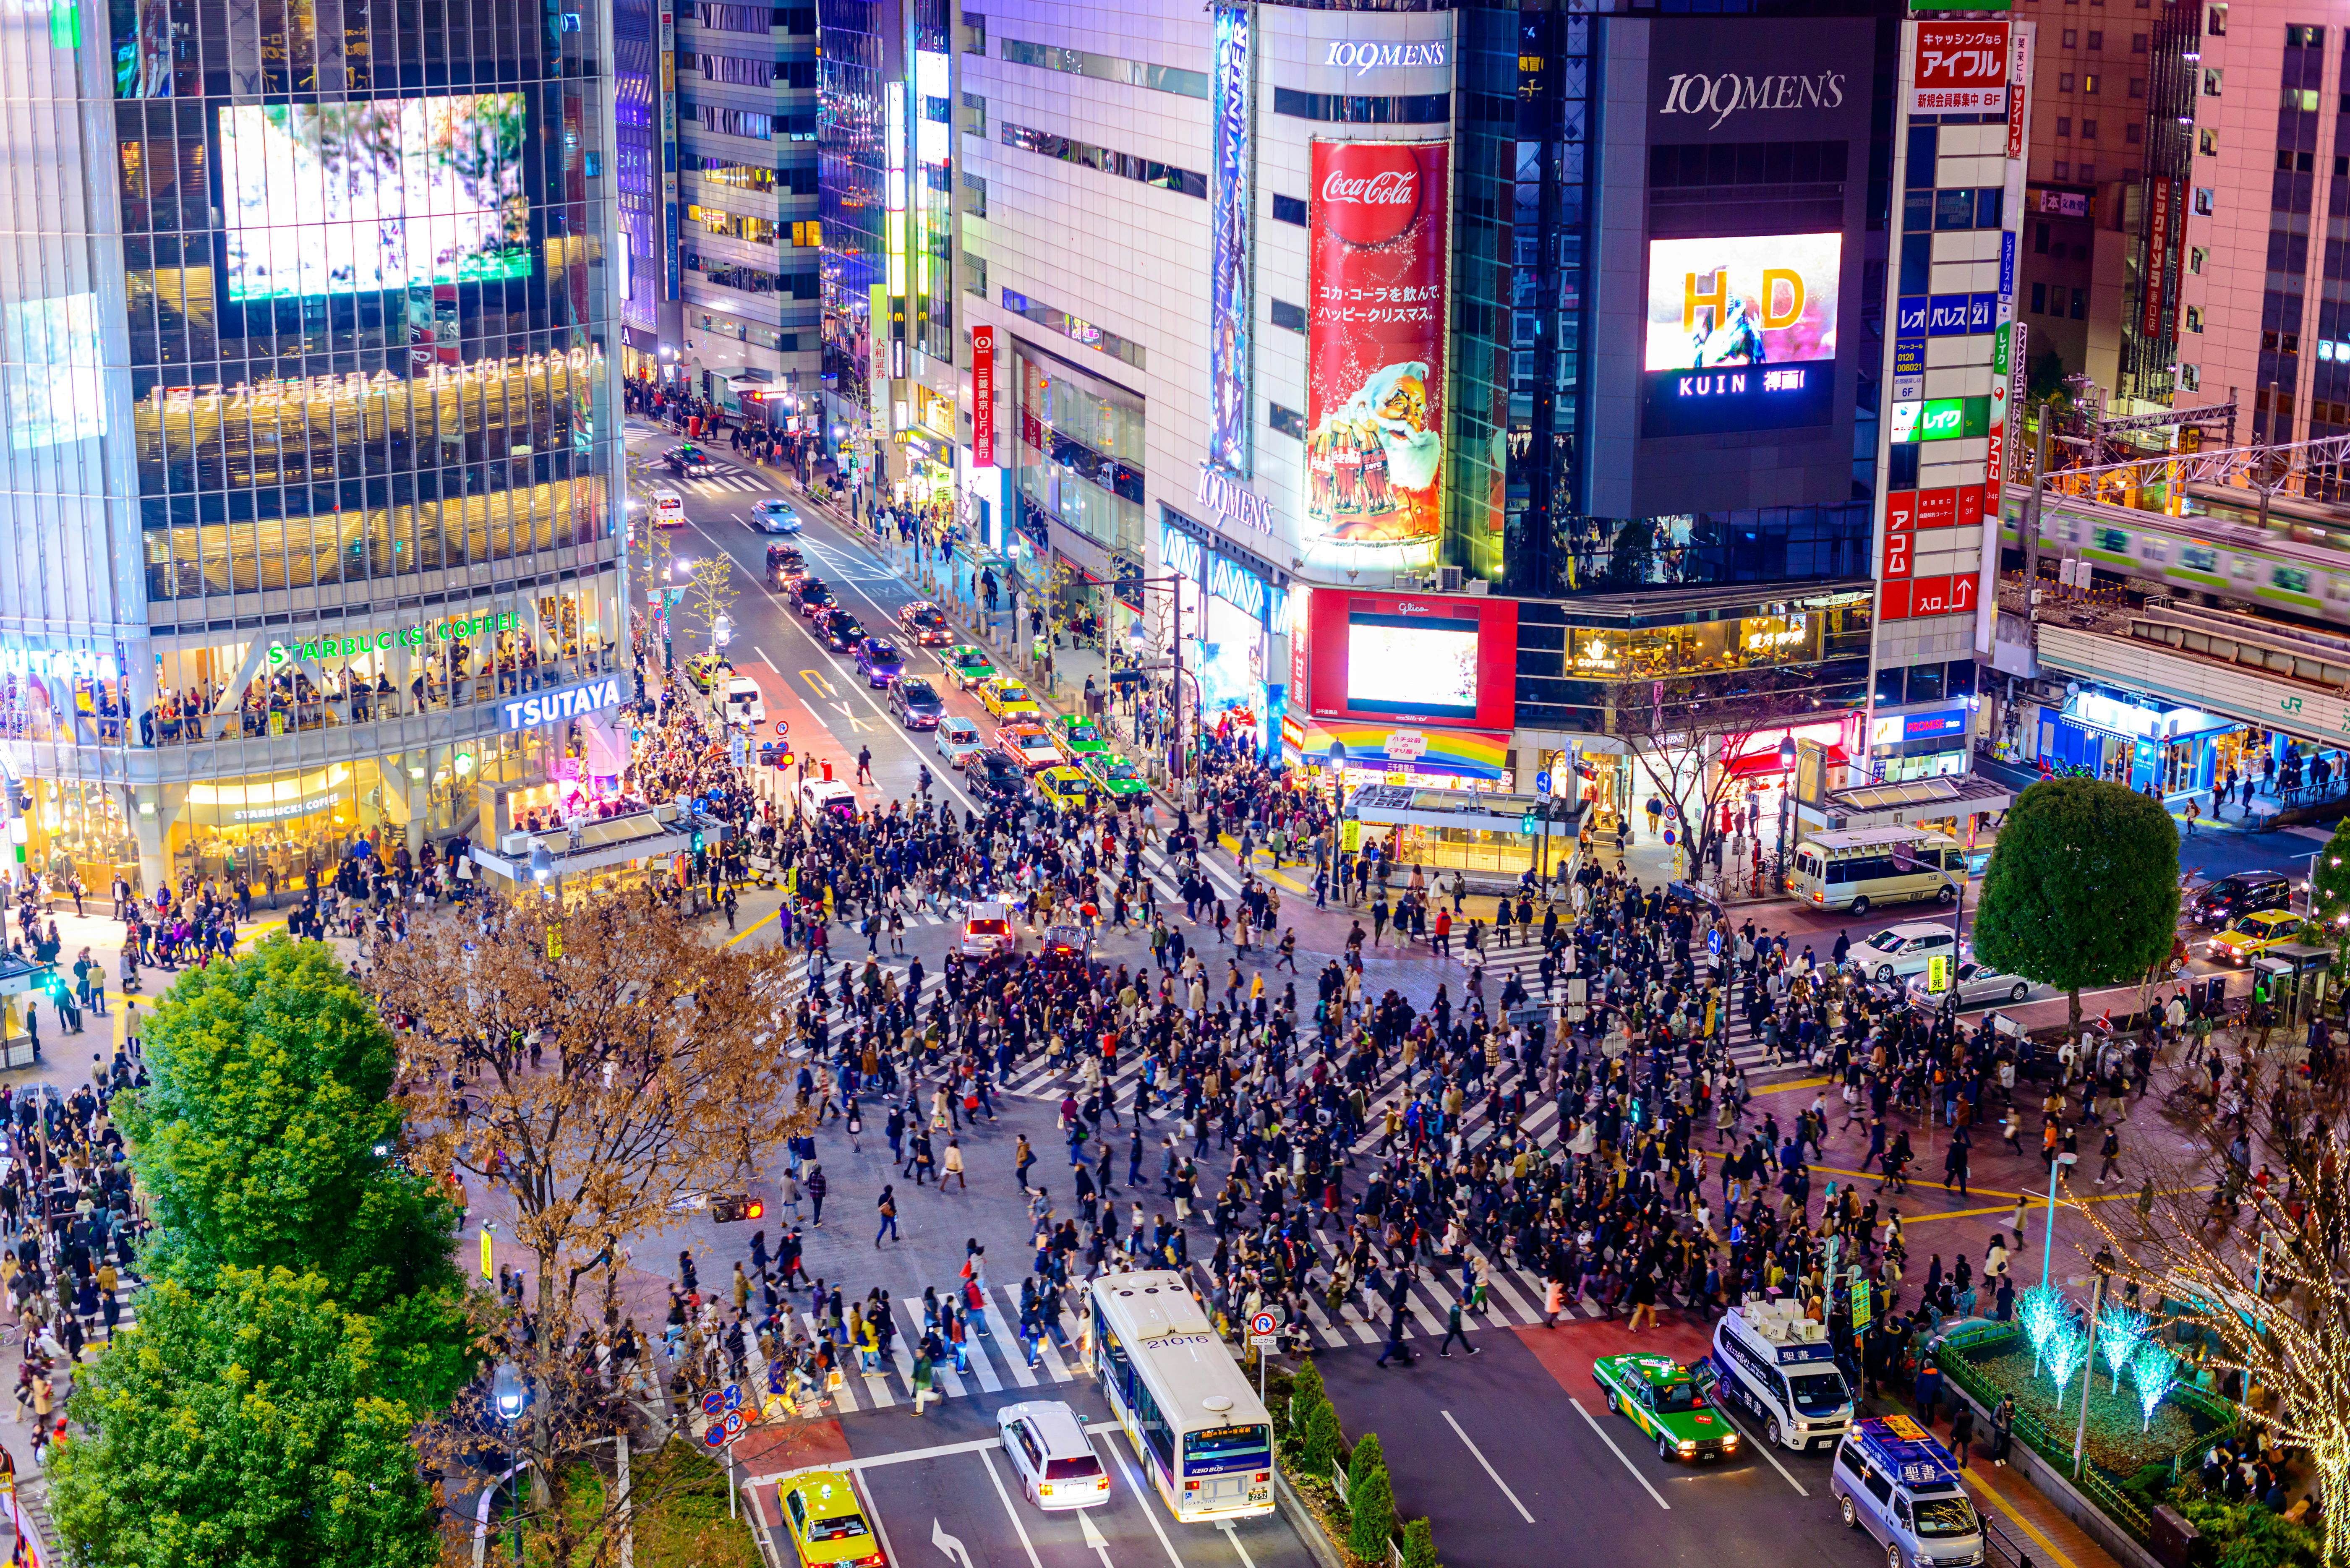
<point>1977,984</point>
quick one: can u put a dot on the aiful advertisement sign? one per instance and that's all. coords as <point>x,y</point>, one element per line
<point>1375,354</point>
<point>1412,659</point>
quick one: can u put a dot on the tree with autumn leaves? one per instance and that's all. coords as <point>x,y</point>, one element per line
<point>596,1070</point>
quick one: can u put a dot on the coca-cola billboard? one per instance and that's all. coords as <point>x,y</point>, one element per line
<point>1375,353</point>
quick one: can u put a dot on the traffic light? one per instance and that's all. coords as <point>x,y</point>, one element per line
<point>697,841</point>
<point>738,1206</point>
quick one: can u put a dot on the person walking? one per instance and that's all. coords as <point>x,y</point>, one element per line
<point>1395,1349</point>
<point>1962,1429</point>
<point>888,1208</point>
<point>815,1186</point>
<point>952,1170</point>
<point>1452,1331</point>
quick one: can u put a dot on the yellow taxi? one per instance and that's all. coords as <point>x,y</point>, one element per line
<point>1004,697</point>
<point>827,1524</point>
<point>1064,788</point>
<point>2247,935</point>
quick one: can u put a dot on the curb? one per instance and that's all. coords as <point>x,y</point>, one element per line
<point>1301,1519</point>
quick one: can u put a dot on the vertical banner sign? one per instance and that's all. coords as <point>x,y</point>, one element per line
<point>671,277</point>
<point>1375,350</point>
<point>1961,68</point>
<point>2019,83</point>
<point>1231,308</point>
<point>2159,219</point>
<point>983,397</point>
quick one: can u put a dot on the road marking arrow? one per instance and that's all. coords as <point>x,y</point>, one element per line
<point>951,1545</point>
<point>817,683</point>
<point>1094,1540</point>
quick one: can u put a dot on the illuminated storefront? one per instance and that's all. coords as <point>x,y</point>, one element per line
<point>1236,610</point>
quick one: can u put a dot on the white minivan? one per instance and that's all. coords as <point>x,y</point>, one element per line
<point>1896,952</point>
<point>668,509</point>
<point>744,705</point>
<point>1776,1363</point>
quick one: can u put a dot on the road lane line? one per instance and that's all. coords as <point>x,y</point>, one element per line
<point>1495,1475</point>
<point>1626,1459</point>
<point>1722,1408</point>
<point>1142,1497</point>
<point>1026,1544</point>
<point>1234,1537</point>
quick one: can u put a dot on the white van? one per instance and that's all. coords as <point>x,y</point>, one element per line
<point>1896,952</point>
<point>668,509</point>
<point>744,704</point>
<point>1776,1363</point>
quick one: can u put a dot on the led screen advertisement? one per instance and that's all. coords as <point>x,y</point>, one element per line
<point>1741,332</point>
<point>52,361</point>
<point>1375,354</point>
<point>347,198</point>
<point>1412,659</point>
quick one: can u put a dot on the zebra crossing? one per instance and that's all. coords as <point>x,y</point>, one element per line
<point>730,481</point>
<point>1743,1041</point>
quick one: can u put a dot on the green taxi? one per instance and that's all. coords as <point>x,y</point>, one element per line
<point>1079,736</point>
<point>1658,1395</point>
<point>703,669</point>
<point>967,665</point>
<point>1119,779</point>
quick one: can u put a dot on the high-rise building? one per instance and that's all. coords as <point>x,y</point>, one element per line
<point>307,363</point>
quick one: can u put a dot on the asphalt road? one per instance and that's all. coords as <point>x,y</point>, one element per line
<point>940,1489</point>
<point>1512,1455</point>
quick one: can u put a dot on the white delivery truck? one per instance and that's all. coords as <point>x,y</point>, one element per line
<point>1771,1360</point>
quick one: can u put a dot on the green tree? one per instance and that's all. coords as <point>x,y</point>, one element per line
<point>265,1139</point>
<point>1318,1441</point>
<point>1419,1545</point>
<point>241,1426</point>
<point>1370,1501</point>
<point>2083,888</point>
<point>2329,889</point>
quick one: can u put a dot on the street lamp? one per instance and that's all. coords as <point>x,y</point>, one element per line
<point>1786,797</point>
<point>508,1395</point>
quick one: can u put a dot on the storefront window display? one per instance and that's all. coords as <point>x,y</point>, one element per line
<point>312,678</point>
<point>1078,459</point>
<point>1802,637</point>
<point>80,830</point>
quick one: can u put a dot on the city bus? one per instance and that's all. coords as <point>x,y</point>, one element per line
<point>1195,1423</point>
<point>1862,867</point>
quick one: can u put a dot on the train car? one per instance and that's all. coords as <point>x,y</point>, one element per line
<point>2212,555</point>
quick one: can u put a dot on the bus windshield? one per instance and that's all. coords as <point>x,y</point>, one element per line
<point>1227,1448</point>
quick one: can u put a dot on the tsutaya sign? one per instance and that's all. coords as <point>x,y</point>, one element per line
<point>63,664</point>
<point>454,629</point>
<point>564,703</point>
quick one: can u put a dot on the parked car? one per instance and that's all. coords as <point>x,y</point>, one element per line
<point>958,740</point>
<point>772,515</point>
<point>705,669</point>
<point>878,661</point>
<point>2246,937</point>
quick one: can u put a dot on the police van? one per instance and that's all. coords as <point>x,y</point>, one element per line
<point>1771,1360</point>
<point>1894,1481</point>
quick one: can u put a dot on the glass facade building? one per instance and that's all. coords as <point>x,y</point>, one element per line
<point>306,348</point>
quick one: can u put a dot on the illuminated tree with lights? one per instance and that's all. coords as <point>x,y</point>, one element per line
<point>2154,1370</point>
<point>2276,1311</point>
<point>2041,1310</point>
<point>2068,1352</point>
<point>2120,1331</point>
<point>2329,891</point>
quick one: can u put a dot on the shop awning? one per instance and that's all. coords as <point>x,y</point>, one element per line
<point>1766,764</point>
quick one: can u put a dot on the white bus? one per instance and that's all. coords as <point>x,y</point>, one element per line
<point>1862,867</point>
<point>1194,1420</point>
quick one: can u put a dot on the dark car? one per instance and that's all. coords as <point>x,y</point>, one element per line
<point>878,661</point>
<point>812,597</point>
<point>925,625</point>
<point>2239,893</point>
<point>839,631</point>
<point>999,771</point>
<point>690,461</point>
<point>916,701</point>
<point>786,566</point>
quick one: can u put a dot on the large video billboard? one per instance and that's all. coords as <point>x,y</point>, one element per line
<point>1415,659</point>
<point>1731,236</point>
<point>1375,353</point>
<point>347,198</point>
<point>1230,307</point>
<point>1741,332</point>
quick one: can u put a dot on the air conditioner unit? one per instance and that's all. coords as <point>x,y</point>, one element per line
<point>1448,579</point>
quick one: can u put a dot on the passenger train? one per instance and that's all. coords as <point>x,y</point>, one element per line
<point>2208,554</point>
